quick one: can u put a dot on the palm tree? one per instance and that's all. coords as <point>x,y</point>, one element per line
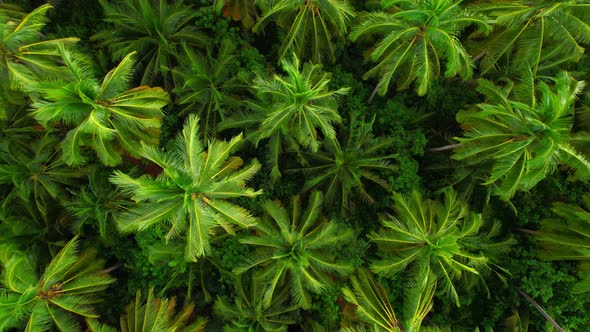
<point>155,29</point>
<point>248,312</point>
<point>107,115</point>
<point>208,85</point>
<point>374,308</point>
<point>26,56</point>
<point>538,34</point>
<point>522,132</point>
<point>238,10</point>
<point>568,238</point>
<point>296,250</point>
<point>191,194</point>
<point>417,36</point>
<point>157,314</point>
<point>290,110</point>
<point>341,169</point>
<point>36,175</point>
<point>97,203</point>
<point>312,25</point>
<point>153,314</point>
<point>66,290</point>
<point>441,240</point>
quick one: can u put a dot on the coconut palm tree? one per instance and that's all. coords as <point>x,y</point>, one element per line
<point>97,203</point>
<point>292,111</point>
<point>191,194</point>
<point>155,29</point>
<point>67,289</point>
<point>445,240</point>
<point>248,312</point>
<point>26,55</point>
<point>417,36</point>
<point>38,175</point>
<point>208,85</point>
<point>341,169</point>
<point>374,308</point>
<point>567,237</point>
<point>538,34</point>
<point>153,314</point>
<point>312,26</point>
<point>107,116</point>
<point>296,250</point>
<point>522,132</point>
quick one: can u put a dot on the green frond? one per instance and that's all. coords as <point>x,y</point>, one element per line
<point>117,80</point>
<point>372,302</point>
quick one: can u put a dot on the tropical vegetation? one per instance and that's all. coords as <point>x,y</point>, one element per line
<point>294,165</point>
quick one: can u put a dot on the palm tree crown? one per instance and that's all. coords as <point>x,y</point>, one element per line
<point>568,238</point>
<point>417,34</point>
<point>66,289</point>
<point>311,24</point>
<point>38,175</point>
<point>158,315</point>
<point>522,132</point>
<point>208,85</point>
<point>340,169</point>
<point>191,192</point>
<point>25,55</point>
<point>539,34</point>
<point>296,249</point>
<point>290,109</point>
<point>442,241</point>
<point>374,308</point>
<point>249,313</point>
<point>107,115</point>
<point>155,29</point>
<point>153,314</point>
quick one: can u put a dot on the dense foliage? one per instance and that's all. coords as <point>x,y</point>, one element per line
<point>264,165</point>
